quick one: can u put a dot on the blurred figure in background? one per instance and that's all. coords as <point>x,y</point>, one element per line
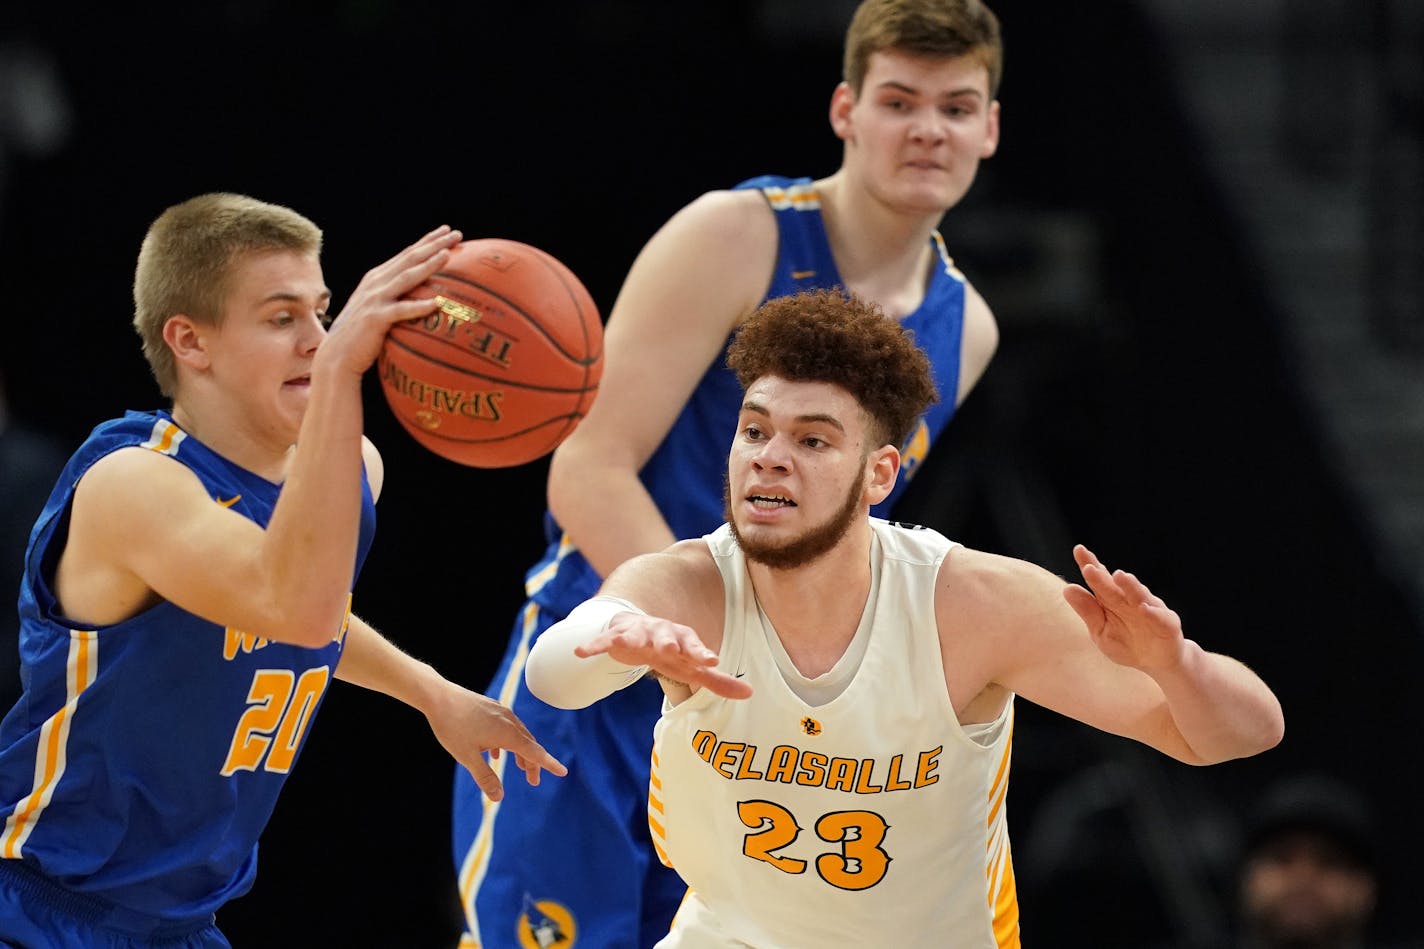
<point>1309,868</point>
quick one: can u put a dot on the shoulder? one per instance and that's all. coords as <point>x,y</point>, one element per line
<point>375,466</point>
<point>135,468</point>
<point>729,214</point>
<point>990,591</point>
<point>674,583</point>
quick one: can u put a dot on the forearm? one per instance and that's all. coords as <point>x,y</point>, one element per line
<point>1221,709</point>
<point>606,511</point>
<point>373,662</point>
<point>310,542</point>
<point>557,676</point>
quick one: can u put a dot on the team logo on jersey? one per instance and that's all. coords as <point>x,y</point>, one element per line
<point>810,726</point>
<point>913,452</point>
<point>545,924</point>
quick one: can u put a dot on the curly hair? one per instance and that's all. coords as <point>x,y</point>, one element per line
<point>838,338</point>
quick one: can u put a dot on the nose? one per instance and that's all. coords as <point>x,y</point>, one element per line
<point>772,454</point>
<point>928,127</point>
<point>313,332</point>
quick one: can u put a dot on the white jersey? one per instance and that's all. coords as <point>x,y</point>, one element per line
<point>869,819</point>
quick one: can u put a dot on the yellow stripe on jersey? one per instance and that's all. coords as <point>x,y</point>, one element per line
<point>536,582</point>
<point>50,757</point>
<point>800,197</point>
<point>655,812</point>
<point>1002,891</point>
<point>476,862</point>
<point>947,260</point>
<point>165,438</point>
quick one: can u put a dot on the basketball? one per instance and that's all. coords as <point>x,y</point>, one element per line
<point>507,366</point>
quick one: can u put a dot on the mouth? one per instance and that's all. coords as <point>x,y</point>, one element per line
<point>300,381</point>
<point>769,502</point>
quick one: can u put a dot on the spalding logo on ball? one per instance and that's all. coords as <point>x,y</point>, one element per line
<point>507,365</point>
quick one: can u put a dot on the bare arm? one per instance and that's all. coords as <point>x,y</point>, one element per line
<point>466,723</point>
<point>657,611</point>
<point>692,284</point>
<point>978,343</point>
<point>1111,655</point>
<point>142,526</point>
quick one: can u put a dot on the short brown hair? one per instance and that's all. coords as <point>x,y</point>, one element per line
<point>187,256</point>
<point>937,28</point>
<point>829,336</point>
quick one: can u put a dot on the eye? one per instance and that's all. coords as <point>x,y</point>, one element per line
<point>326,319</point>
<point>282,319</point>
<point>811,441</point>
<point>752,433</point>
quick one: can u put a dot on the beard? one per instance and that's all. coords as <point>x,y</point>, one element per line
<point>797,551</point>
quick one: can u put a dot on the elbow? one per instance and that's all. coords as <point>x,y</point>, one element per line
<point>312,625</point>
<point>546,682</point>
<point>564,480</point>
<point>1275,731</point>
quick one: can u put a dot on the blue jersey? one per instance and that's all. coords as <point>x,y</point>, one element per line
<point>144,758</point>
<point>685,476</point>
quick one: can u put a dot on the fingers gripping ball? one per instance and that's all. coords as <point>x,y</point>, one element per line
<point>501,373</point>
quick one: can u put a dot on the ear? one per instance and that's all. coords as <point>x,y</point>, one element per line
<point>991,132</point>
<point>883,469</point>
<point>188,340</point>
<point>842,101</point>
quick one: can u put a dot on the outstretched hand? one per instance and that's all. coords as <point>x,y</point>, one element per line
<point>1130,624</point>
<point>468,725</point>
<point>669,649</point>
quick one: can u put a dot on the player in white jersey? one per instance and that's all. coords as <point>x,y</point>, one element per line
<point>832,760</point>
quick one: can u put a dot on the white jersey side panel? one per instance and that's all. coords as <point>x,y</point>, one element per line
<point>871,820</point>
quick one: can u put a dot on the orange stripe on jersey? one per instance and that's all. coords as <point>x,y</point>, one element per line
<point>54,738</point>
<point>165,438</point>
<point>655,810</point>
<point>476,862</point>
<point>1006,910</point>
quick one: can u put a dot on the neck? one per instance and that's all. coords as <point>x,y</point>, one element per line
<point>882,254</point>
<point>263,453</point>
<point>817,606</point>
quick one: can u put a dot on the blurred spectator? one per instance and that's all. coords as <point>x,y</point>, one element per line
<point>1309,868</point>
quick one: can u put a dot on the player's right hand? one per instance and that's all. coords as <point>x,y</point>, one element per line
<point>669,649</point>
<point>355,338</point>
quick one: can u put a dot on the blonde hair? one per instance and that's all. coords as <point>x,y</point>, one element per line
<point>186,259</point>
<point>938,28</point>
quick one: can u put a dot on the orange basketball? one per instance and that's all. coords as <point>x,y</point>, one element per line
<point>508,364</point>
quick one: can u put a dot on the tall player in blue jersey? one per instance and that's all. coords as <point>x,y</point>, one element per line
<point>571,860</point>
<point>186,595</point>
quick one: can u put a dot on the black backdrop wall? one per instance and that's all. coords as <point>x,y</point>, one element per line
<point>1151,415</point>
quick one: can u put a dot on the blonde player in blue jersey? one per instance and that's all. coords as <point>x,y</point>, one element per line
<point>917,114</point>
<point>831,763</point>
<point>186,595</point>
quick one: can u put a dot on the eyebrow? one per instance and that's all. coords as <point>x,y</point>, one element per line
<point>285,296</point>
<point>894,86</point>
<point>812,418</point>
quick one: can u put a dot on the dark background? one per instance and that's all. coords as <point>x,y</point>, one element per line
<point>1147,410</point>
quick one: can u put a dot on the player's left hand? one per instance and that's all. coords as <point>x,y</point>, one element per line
<point>1130,624</point>
<point>468,725</point>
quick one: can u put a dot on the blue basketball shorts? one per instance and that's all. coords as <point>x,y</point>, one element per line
<point>568,863</point>
<point>38,913</point>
